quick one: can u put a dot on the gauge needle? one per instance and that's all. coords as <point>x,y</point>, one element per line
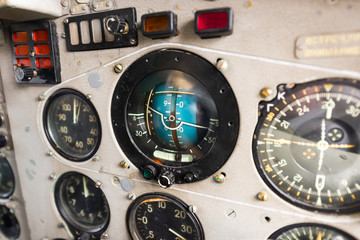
<point>74,111</point>
<point>308,144</point>
<point>86,190</point>
<point>78,113</point>
<point>319,236</point>
<point>181,123</point>
<point>322,145</point>
<point>175,233</point>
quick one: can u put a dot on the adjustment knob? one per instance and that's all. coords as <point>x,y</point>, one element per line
<point>24,74</point>
<point>84,236</point>
<point>166,179</point>
<point>3,141</point>
<point>116,26</point>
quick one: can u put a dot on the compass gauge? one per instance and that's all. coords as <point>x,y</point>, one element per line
<point>307,144</point>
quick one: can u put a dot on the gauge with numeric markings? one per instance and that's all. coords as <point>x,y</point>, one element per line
<point>307,144</point>
<point>72,125</point>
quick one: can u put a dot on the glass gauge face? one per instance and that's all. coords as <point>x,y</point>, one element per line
<point>161,216</point>
<point>7,182</point>
<point>9,225</point>
<point>72,125</point>
<point>81,203</point>
<point>175,117</point>
<point>306,144</point>
<point>172,118</point>
<point>306,231</point>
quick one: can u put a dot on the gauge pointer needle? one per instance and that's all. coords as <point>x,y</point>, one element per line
<point>86,190</point>
<point>74,111</point>
<point>175,233</point>
<point>319,236</point>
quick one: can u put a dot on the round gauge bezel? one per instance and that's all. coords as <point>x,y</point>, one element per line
<point>291,89</point>
<point>16,222</point>
<point>73,225</point>
<point>8,194</point>
<point>130,214</point>
<point>297,225</point>
<point>54,96</point>
<point>212,80</point>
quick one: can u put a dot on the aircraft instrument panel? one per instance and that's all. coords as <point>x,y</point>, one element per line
<point>179,120</point>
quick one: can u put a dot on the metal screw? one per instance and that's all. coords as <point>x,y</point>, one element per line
<point>41,98</point>
<point>88,96</point>
<point>49,153</point>
<point>98,184</point>
<point>107,4</point>
<point>265,92</point>
<point>132,196</point>
<point>115,180</point>
<point>95,6</point>
<point>105,236</point>
<point>219,178</point>
<point>32,54</point>
<point>96,158</point>
<point>44,238</point>
<point>124,164</point>
<point>221,64</point>
<point>61,225</point>
<point>193,209</point>
<point>83,7</point>
<point>66,20</point>
<point>132,41</point>
<point>52,176</point>
<point>230,213</point>
<point>118,68</point>
<point>262,196</point>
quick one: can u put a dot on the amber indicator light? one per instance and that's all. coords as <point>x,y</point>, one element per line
<point>159,25</point>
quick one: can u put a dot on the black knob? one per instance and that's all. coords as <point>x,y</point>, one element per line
<point>149,172</point>
<point>3,141</point>
<point>24,74</point>
<point>189,177</point>
<point>84,236</point>
<point>116,25</point>
<point>166,179</point>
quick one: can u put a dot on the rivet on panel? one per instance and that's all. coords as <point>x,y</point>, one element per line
<point>124,164</point>
<point>115,180</point>
<point>66,20</point>
<point>96,158</point>
<point>41,98</point>
<point>98,184</point>
<point>132,196</point>
<point>105,236</point>
<point>49,153</point>
<point>265,92</point>
<point>52,176</point>
<point>88,96</point>
<point>192,209</point>
<point>262,196</point>
<point>118,68</point>
<point>219,178</point>
<point>221,64</point>
<point>61,225</point>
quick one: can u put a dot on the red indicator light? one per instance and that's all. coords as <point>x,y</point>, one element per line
<point>20,36</point>
<point>212,20</point>
<point>42,49</point>
<point>43,63</point>
<point>23,62</point>
<point>22,50</point>
<point>40,35</point>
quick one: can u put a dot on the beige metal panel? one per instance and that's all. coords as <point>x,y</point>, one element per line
<point>20,10</point>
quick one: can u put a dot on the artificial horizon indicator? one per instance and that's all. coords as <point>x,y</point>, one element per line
<point>72,125</point>
<point>82,204</point>
<point>306,144</point>
<point>176,123</point>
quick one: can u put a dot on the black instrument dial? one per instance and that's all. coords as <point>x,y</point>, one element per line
<point>306,231</point>
<point>161,216</point>
<point>180,119</point>
<point>82,204</point>
<point>9,225</point>
<point>306,144</point>
<point>72,125</point>
<point>7,182</point>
